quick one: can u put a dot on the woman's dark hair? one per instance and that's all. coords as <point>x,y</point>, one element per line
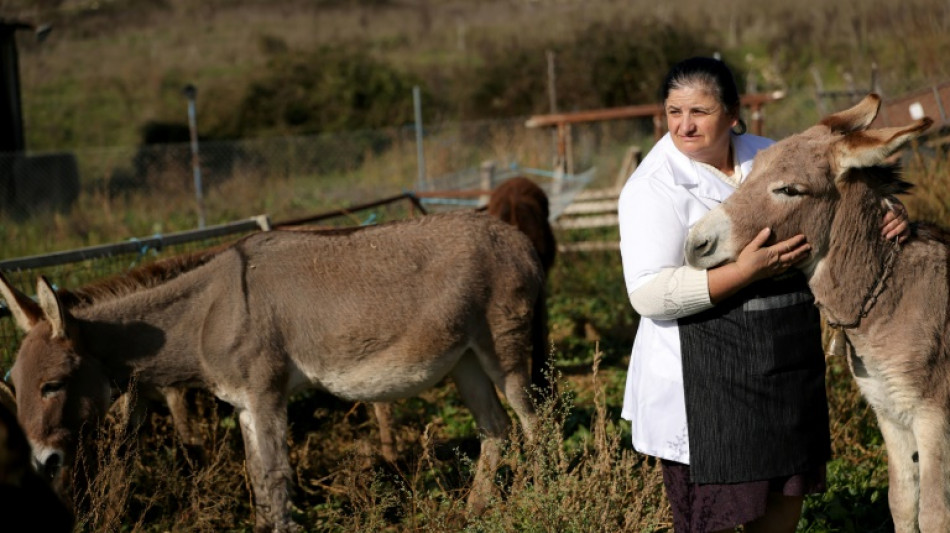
<point>712,75</point>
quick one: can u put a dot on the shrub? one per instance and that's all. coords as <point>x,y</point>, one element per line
<point>327,90</point>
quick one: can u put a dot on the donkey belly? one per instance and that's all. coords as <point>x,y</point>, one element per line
<point>383,376</point>
<point>889,394</point>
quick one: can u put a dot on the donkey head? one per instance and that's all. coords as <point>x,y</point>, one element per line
<point>59,391</point>
<point>797,186</point>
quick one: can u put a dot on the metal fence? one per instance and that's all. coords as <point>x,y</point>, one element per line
<point>74,268</point>
<point>150,191</point>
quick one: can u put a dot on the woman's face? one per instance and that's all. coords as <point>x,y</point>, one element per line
<point>699,125</point>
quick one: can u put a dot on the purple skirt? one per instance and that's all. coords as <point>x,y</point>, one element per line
<point>703,508</point>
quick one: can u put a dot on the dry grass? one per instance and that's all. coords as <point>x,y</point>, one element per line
<point>557,482</point>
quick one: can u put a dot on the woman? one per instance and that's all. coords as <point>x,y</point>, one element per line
<point>726,378</point>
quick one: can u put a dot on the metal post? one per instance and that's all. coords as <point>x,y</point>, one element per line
<point>12,138</point>
<point>191,92</point>
<point>420,154</point>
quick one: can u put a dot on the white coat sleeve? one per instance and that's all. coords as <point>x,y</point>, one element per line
<point>652,235</point>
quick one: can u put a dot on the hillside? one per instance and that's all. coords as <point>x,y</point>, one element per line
<point>111,67</point>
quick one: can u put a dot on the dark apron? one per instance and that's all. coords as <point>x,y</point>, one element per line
<point>754,377</point>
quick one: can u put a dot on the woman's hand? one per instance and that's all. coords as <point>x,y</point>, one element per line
<point>895,225</point>
<point>756,261</point>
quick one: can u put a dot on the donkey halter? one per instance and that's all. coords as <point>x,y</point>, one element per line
<point>887,268</point>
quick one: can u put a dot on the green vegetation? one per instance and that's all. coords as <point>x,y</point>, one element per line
<point>337,77</point>
<point>111,66</point>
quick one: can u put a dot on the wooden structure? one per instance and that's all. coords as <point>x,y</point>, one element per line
<point>563,121</point>
<point>933,102</point>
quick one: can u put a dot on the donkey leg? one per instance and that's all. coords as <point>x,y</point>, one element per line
<point>181,417</point>
<point>512,377</point>
<point>186,425</point>
<point>130,411</point>
<point>902,473</point>
<point>478,393</point>
<point>268,466</point>
<point>387,439</point>
<point>930,428</point>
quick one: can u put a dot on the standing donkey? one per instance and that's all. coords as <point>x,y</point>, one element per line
<point>520,202</point>
<point>831,184</point>
<point>374,314</point>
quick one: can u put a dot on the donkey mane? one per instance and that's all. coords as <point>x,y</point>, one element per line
<point>142,277</point>
<point>929,231</point>
<point>884,179</point>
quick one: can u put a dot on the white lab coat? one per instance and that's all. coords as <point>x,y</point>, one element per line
<point>661,200</point>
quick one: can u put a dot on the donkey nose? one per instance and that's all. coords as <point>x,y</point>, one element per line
<point>703,246</point>
<point>52,465</point>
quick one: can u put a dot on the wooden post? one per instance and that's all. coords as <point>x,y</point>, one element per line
<point>560,163</point>
<point>486,178</point>
<point>658,126</point>
<point>757,119</point>
<point>631,160</point>
<point>943,112</point>
<point>569,162</point>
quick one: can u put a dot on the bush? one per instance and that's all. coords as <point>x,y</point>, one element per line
<point>328,90</point>
<point>605,64</point>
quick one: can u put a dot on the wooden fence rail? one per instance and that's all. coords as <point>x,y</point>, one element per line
<point>563,121</point>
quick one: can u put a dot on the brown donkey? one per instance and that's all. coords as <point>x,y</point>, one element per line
<point>520,202</point>
<point>377,314</point>
<point>22,490</point>
<point>831,184</point>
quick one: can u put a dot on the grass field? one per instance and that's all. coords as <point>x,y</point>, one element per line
<point>112,66</point>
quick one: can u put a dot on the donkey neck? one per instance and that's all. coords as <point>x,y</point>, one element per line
<point>146,334</point>
<point>851,279</point>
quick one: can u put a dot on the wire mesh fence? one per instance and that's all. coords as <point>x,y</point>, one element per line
<point>51,202</point>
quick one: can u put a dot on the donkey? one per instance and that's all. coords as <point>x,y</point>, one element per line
<point>22,490</point>
<point>522,203</point>
<point>372,315</point>
<point>832,183</point>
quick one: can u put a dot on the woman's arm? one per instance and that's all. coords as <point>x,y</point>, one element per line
<point>756,261</point>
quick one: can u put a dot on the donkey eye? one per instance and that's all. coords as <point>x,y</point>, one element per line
<point>788,190</point>
<point>52,387</point>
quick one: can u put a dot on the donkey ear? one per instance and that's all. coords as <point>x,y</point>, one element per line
<point>857,118</point>
<point>863,149</point>
<point>52,308</point>
<point>26,313</point>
